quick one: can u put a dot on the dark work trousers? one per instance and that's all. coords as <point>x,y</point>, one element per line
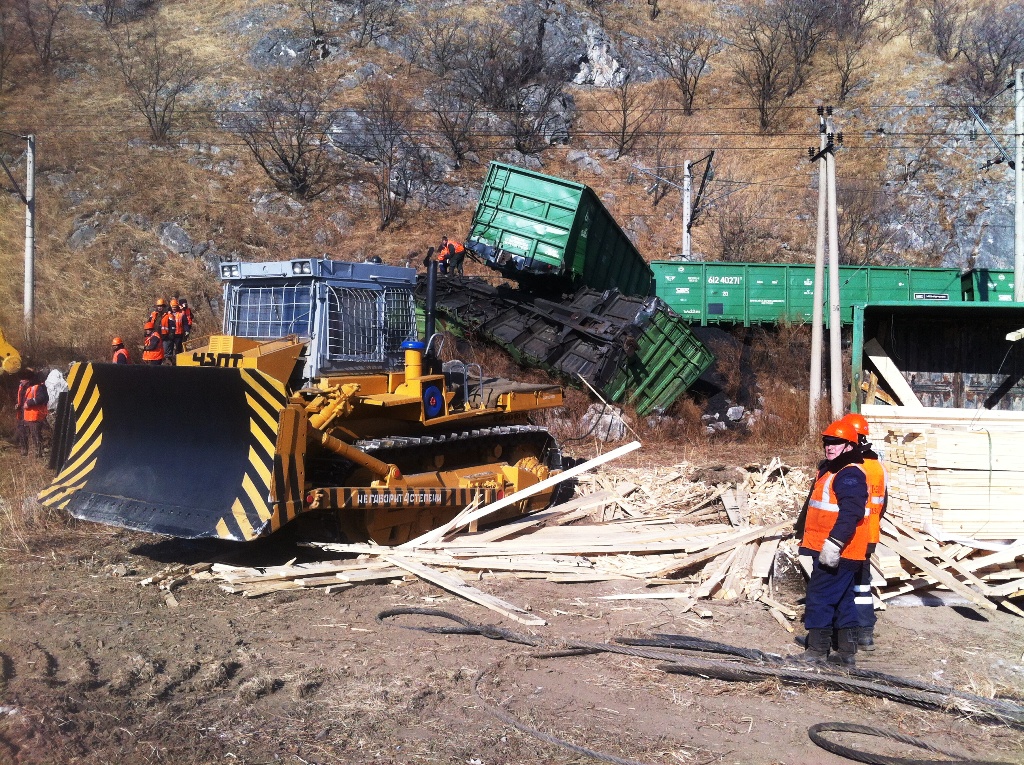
<point>862,598</point>
<point>830,598</point>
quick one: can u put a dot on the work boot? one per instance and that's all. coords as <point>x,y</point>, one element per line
<point>818,642</point>
<point>866,639</point>
<point>846,654</point>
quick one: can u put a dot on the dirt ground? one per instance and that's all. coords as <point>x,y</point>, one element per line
<point>95,668</point>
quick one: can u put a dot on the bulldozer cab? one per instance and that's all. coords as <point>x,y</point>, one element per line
<point>352,317</point>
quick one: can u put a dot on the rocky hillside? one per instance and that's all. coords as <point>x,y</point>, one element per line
<point>172,134</point>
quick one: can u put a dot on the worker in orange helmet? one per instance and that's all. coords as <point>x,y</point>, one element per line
<point>153,346</point>
<point>835,534</point>
<point>878,495</point>
<point>120,352</point>
<point>179,326</point>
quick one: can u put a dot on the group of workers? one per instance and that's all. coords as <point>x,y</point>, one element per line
<point>167,328</point>
<point>839,528</point>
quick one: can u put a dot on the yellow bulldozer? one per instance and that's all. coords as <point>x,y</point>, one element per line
<point>317,398</point>
<point>10,359</point>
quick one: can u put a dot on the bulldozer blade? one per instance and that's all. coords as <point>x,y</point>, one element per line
<point>183,451</point>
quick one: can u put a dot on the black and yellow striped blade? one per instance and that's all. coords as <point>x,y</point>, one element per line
<point>183,451</point>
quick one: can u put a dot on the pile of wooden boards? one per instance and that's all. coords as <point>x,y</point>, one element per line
<point>985,574</point>
<point>961,482</point>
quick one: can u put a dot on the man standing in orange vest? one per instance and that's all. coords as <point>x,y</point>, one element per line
<point>31,409</point>
<point>836,535</point>
<point>454,253</point>
<point>179,326</point>
<point>878,497</point>
<point>153,347</point>
<point>120,352</point>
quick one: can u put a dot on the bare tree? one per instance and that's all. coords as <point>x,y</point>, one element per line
<point>156,74</point>
<point>661,155</point>
<point>373,19</point>
<point>853,24</point>
<point>454,113</point>
<point>316,14</point>
<point>993,44</point>
<point>806,23</point>
<point>386,134</point>
<point>11,42</point>
<point>624,120</point>
<point>437,40</point>
<point>867,224</point>
<point>683,52</point>
<point>743,229</point>
<point>766,68</point>
<point>43,23</point>
<point>506,66</point>
<point>944,22</point>
<point>288,131</point>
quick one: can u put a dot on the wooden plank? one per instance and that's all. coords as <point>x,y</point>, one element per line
<point>765,558</point>
<point>460,588</point>
<point>889,372</point>
<point>736,579</point>
<point>777,615</point>
<point>940,575</point>
<point>741,539</point>
<point>458,522</point>
<point>714,574</point>
<point>514,527</point>
<point>732,507</point>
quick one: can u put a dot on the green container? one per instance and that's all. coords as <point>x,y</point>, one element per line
<point>760,293</point>
<point>553,235</point>
<point>668,360</point>
<point>988,285</point>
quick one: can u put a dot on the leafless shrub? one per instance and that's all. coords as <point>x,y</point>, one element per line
<point>455,113</point>
<point>993,44</point>
<point>662,156</point>
<point>373,19</point>
<point>43,21</point>
<point>155,73</point>
<point>744,230</point>
<point>868,222</point>
<point>386,146</point>
<point>288,131</point>
<point>623,120</point>
<point>941,25</point>
<point>11,42</point>
<point>683,51</point>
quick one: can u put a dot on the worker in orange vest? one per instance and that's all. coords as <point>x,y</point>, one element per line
<point>878,497</point>
<point>153,346</point>
<point>31,410</point>
<point>441,256</point>
<point>186,315</point>
<point>836,534</point>
<point>166,327</point>
<point>179,326</point>
<point>454,254</point>
<point>120,352</point>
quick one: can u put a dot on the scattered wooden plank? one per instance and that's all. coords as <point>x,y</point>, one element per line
<point>741,539</point>
<point>732,507</point>
<point>460,588</point>
<point>939,575</point>
<point>764,560</point>
<point>777,615</point>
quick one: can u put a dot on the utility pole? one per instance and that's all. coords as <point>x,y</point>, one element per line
<point>687,189</point>
<point>835,326</point>
<point>30,210</point>
<point>1018,186</point>
<point>819,283</point>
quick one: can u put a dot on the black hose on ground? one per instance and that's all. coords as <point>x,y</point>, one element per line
<point>815,733</point>
<point>901,690</point>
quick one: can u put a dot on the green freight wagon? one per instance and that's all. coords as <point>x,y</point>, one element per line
<point>988,285</point>
<point>762,293</point>
<point>553,235</point>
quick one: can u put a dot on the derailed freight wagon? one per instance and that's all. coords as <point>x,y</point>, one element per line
<point>553,235</point>
<point>942,387</point>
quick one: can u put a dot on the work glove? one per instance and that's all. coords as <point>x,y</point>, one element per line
<point>829,556</point>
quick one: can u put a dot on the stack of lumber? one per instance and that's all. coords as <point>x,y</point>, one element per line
<point>986,574</point>
<point>962,482</point>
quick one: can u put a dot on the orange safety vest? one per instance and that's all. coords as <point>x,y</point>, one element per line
<point>822,512</point>
<point>457,247</point>
<point>878,485</point>
<point>179,322</point>
<point>123,354</point>
<point>442,254</point>
<point>167,325</point>
<point>31,413</point>
<point>153,350</point>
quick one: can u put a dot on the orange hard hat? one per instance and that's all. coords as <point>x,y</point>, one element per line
<point>174,303</point>
<point>117,341</point>
<point>858,422</point>
<point>161,301</point>
<point>149,325</point>
<point>842,430</point>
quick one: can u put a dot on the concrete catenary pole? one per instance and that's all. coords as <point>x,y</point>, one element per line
<point>814,398</point>
<point>1018,186</point>
<point>30,209</point>
<point>687,190</point>
<point>835,328</point>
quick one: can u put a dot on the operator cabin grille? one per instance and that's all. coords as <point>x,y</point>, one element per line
<point>268,313</point>
<point>368,326</point>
